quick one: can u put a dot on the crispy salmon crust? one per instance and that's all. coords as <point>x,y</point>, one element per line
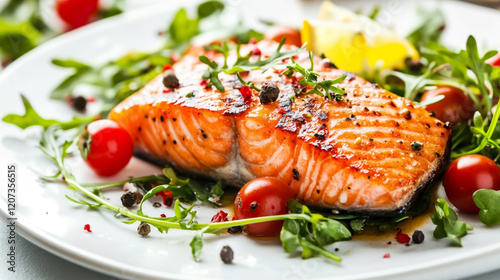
<point>372,152</point>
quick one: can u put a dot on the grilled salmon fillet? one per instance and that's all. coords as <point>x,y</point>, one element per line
<point>371,152</point>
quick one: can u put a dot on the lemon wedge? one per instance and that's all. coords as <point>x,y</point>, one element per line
<point>355,42</point>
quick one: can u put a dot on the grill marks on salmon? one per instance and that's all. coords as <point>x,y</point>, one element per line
<point>372,152</point>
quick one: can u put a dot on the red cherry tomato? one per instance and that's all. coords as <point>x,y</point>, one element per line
<point>494,61</point>
<point>466,175</point>
<point>456,107</point>
<point>277,33</point>
<point>106,147</point>
<point>76,13</point>
<point>262,197</point>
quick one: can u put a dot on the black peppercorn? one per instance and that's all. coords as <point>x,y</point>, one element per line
<point>170,80</point>
<point>227,254</point>
<point>295,174</point>
<point>234,230</point>
<point>417,146</point>
<point>414,65</point>
<point>138,197</point>
<point>128,199</point>
<point>156,204</point>
<point>268,93</point>
<point>253,206</point>
<point>79,103</point>
<point>143,229</point>
<point>418,237</point>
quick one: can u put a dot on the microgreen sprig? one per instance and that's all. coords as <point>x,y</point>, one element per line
<point>447,223</point>
<point>248,84</point>
<point>311,79</point>
<point>242,63</point>
<point>489,203</point>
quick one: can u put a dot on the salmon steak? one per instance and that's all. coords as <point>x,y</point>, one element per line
<point>371,151</point>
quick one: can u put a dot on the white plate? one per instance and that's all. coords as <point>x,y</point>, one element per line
<point>48,219</point>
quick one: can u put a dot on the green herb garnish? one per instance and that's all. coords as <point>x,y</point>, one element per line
<point>312,235</point>
<point>242,64</point>
<point>489,203</point>
<point>311,79</point>
<point>249,84</point>
<point>32,118</point>
<point>447,224</point>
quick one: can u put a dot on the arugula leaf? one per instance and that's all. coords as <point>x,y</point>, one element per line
<point>447,224</point>
<point>182,28</point>
<point>17,39</point>
<point>208,8</point>
<point>32,118</point>
<point>414,84</point>
<point>430,101</point>
<point>150,194</point>
<point>249,84</point>
<point>470,59</point>
<point>489,203</point>
<point>325,231</point>
<point>374,13</point>
<point>481,138</point>
<point>83,73</point>
<point>197,243</point>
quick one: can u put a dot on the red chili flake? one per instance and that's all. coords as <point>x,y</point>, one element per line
<point>234,218</point>
<point>256,51</point>
<point>281,110</point>
<point>402,238</point>
<point>246,93</point>
<point>167,90</point>
<point>295,81</point>
<point>295,57</point>
<point>91,99</point>
<point>252,41</point>
<point>221,216</point>
<point>205,84</point>
<point>167,67</point>
<point>167,196</point>
<point>87,228</point>
<point>285,60</point>
<point>163,215</point>
<point>276,71</point>
<point>387,255</point>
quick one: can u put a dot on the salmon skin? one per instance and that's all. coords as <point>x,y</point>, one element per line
<point>371,153</point>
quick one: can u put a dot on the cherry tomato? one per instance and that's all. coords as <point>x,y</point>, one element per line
<point>277,33</point>
<point>466,175</point>
<point>76,13</point>
<point>106,147</point>
<point>260,197</point>
<point>494,61</point>
<point>456,107</point>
